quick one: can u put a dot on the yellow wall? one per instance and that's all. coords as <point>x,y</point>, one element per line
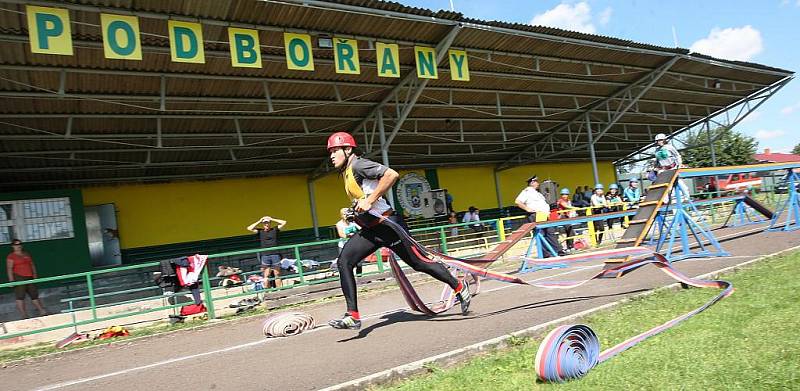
<point>155,214</point>
<point>330,198</point>
<point>469,186</point>
<point>475,185</point>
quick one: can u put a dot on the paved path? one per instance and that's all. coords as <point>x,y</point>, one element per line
<point>234,355</point>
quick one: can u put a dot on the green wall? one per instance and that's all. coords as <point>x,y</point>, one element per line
<point>59,256</point>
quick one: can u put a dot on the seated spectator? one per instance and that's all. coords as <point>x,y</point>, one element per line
<point>577,199</point>
<point>632,194</point>
<point>453,219</point>
<point>345,229</point>
<point>473,215</point>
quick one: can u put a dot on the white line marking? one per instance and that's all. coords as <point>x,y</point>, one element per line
<point>263,341</point>
<point>365,381</point>
<point>235,347</point>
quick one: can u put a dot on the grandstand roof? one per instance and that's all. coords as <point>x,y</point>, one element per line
<point>83,119</point>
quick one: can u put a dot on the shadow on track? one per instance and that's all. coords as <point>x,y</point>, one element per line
<point>404,316</point>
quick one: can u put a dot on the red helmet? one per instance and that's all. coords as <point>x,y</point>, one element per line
<point>341,139</point>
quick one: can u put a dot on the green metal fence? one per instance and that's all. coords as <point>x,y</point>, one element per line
<point>466,242</point>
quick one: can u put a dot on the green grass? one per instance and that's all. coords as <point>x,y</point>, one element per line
<point>748,341</point>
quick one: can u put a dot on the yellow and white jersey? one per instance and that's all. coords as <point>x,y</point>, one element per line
<point>361,179</point>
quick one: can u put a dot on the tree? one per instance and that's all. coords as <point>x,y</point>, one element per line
<point>730,147</point>
<point>796,149</point>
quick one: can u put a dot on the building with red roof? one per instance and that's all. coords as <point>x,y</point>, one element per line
<point>769,157</point>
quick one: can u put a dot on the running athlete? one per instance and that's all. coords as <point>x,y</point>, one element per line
<point>365,182</point>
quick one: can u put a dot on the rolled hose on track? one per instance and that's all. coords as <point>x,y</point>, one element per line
<point>569,352</point>
<point>287,324</point>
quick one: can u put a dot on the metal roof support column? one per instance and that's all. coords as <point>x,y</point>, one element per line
<point>711,145</point>
<point>268,96</point>
<point>441,53</point>
<point>410,77</point>
<point>163,90</point>
<point>68,132</point>
<point>238,131</point>
<point>497,190</point>
<point>761,96</point>
<point>62,82</point>
<point>312,199</point>
<point>645,83</point>
<point>591,148</point>
<point>159,142</point>
<point>384,150</point>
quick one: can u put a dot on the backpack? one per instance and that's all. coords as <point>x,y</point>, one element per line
<point>193,309</point>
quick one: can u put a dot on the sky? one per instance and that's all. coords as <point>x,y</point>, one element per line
<point>765,32</point>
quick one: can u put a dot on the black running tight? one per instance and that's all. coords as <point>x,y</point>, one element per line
<point>385,234</point>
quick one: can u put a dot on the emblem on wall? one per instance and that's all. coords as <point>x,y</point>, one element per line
<point>413,193</point>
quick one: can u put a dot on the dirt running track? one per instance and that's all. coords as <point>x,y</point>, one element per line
<point>234,355</point>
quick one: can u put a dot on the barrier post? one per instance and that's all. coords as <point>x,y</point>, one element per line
<point>299,264</point>
<point>90,289</point>
<point>74,320</point>
<point>713,208</point>
<point>207,293</point>
<point>501,230</point>
<point>590,229</point>
<point>625,219</point>
<point>379,260</point>
<point>443,241</point>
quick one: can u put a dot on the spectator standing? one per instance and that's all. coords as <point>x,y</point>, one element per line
<point>268,237</point>
<point>587,195</point>
<point>568,211</point>
<point>599,205</point>
<point>534,204</point>
<point>448,200</point>
<point>614,202</point>
<point>20,267</point>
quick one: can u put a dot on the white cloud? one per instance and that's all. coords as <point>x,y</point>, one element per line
<point>735,43</point>
<point>790,109</point>
<point>605,16</point>
<point>764,134</point>
<point>575,17</point>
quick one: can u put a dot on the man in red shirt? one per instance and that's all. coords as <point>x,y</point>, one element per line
<point>20,267</point>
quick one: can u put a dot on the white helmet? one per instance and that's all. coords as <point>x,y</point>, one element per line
<point>661,136</point>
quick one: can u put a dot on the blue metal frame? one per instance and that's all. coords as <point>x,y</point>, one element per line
<point>792,206</point>
<point>681,226</point>
<point>537,238</point>
<point>743,215</point>
<point>657,225</point>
